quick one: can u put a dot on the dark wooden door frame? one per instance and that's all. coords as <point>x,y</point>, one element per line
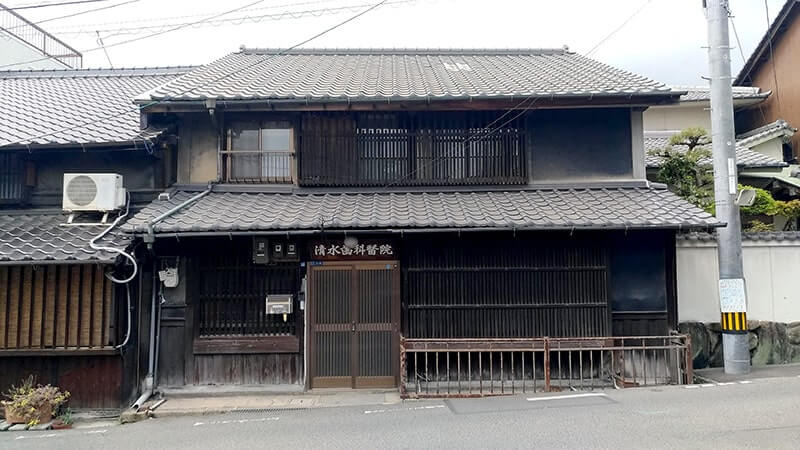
<point>353,267</point>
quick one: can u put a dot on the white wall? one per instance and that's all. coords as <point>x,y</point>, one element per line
<point>773,148</point>
<point>771,270</point>
<point>676,118</point>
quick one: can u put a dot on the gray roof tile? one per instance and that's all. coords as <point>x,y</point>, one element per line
<point>74,107</point>
<point>745,158</point>
<point>703,93</point>
<point>41,237</point>
<point>762,236</point>
<point>595,208</point>
<point>380,74</point>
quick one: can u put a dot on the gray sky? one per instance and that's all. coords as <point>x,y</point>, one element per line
<point>663,41</point>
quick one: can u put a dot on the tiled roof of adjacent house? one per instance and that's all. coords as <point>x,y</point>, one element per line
<point>586,208</point>
<point>76,107</point>
<point>745,158</point>
<point>41,237</point>
<point>398,74</point>
<point>703,93</point>
<point>766,132</point>
<point>763,236</point>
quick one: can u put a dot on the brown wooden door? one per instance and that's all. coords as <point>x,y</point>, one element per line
<point>354,322</point>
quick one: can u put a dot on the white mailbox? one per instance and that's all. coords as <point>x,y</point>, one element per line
<point>280,304</point>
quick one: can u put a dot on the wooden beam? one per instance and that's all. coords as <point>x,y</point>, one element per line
<point>246,344</point>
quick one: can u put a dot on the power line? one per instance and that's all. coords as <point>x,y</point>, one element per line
<point>744,61</point>
<point>77,14</point>
<point>85,28</point>
<point>772,59</point>
<point>233,72</point>
<point>621,26</point>
<point>234,20</point>
<point>47,5</point>
<point>128,41</point>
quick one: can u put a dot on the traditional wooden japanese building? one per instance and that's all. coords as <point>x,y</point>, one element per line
<point>62,319</point>
<point>330,203</point>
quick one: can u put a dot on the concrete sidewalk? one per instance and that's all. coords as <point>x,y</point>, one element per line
<point>718,375</point>
<point>212,402</point>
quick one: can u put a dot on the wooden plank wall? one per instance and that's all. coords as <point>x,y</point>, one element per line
<point>93,381</point>
<point>55,306</point>
<point>270,368</point>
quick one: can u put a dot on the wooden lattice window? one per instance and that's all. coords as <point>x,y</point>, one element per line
<point>55,307</point>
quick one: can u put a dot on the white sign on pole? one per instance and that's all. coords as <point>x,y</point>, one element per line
<point>732,296</point>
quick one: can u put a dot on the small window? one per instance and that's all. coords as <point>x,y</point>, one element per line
<point>260,152</point>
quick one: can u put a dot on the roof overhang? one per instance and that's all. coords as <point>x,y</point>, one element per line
<point>416,103</point>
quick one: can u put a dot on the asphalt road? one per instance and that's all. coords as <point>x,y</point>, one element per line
<point>759,414</point>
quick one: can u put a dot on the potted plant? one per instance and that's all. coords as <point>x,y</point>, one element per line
<point>64,420</point>
<point>33,404</point>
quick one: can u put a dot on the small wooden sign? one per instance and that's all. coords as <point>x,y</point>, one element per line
<point>363,250</point>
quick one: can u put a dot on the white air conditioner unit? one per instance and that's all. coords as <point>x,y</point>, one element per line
<point>93,192</point>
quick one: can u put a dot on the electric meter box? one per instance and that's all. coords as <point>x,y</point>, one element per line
<point>279,304</point>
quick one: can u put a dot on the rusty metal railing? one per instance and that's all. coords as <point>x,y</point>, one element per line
<point>481,367</point>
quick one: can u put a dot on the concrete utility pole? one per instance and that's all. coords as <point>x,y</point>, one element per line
<point>733,303</point>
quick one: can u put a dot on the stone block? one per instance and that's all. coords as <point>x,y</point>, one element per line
<point>19,427</point>
<point>4,425</point>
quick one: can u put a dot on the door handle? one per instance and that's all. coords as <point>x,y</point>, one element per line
<point>353,327</point>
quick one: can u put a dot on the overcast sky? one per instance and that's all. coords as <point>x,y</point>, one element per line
<point>663,40</point>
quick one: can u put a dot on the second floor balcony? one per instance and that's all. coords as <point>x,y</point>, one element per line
<point>377,150</point>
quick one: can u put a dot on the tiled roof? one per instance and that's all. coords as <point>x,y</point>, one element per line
<point>745,158</point>
<point>703,93</point>
<point>75,107</point>
<point>396,74</point>
<point>764,236</point>
<point>764,133</point>
<point>596,208</point>
<point>42,238</point>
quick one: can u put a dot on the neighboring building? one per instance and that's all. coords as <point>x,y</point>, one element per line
<point>26,46</point>
<point>764,155</point>
<point>693,109</point>
<point>773,66</point>
<point>61,318</point>
<point>331,202</point>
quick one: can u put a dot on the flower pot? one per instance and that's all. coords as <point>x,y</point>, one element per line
<point>58,424</point>
<point>44,415</point>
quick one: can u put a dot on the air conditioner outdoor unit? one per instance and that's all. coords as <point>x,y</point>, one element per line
<point>93,192</point>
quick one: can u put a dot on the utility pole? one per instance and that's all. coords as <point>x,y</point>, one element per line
<point>732,297</point>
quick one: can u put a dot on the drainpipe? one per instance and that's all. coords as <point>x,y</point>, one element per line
<point>149,381</point>
<point>149,237</point>
<point>148,386</point>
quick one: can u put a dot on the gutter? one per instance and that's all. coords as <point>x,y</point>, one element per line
<point>149,236</point>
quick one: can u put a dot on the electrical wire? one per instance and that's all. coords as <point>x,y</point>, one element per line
<point>744,60</point>
<point>240,20</point>
<point>128,331</point>
<point>74,14</point>
<point>223,77</point>
<point>87,28</point>
<point>115,44</point>
<point>772,59</point>
<point>616,30</point>
<point>47,5</point>
<point>128,256</point>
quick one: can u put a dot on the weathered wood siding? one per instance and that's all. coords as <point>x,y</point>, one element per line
<point>274,368</point>
<point>56,306</point>
<point>502,286</point>
<point>92,381</point>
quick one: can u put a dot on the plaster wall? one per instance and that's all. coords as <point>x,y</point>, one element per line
<point>770,269</point>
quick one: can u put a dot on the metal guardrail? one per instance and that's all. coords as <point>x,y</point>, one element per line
<point>481,367</point>
<point>28,32</point>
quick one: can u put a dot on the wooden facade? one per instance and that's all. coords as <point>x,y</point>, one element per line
<point>60,323</point>
<point>447,285</point>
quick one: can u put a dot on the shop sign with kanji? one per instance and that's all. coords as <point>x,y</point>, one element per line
<point>337,250</point>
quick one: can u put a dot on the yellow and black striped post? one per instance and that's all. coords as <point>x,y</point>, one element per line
<point>734,322</point>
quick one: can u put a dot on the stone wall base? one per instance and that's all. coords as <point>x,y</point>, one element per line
<point>770,342</point>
